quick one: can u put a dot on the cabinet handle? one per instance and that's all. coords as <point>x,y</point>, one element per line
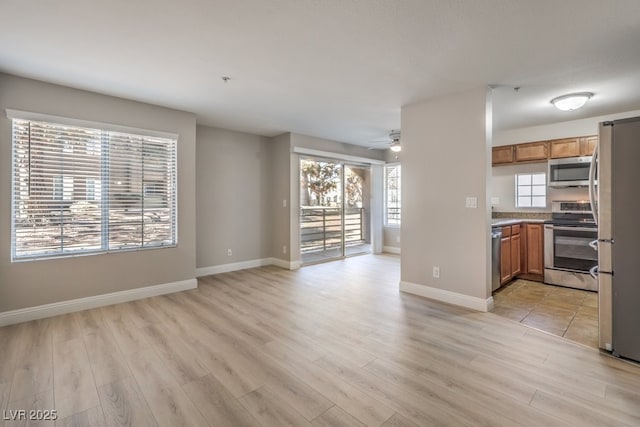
<point>594,245</point>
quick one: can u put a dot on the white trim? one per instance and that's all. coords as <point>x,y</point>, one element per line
<point>243,265</point>
<point>49,118</point>
<point>289,265</point>
<point>442,295</point>
<point>391,249</point>
<point>234,266</point>
<point>337,156</point>
<point>70,306</point>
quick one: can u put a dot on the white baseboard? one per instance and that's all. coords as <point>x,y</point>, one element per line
<point>63,307</point>
<point>234,266</point>
<point>391,249</point>
<point>243,265</point>
<point>454,298</point>
<point>289,265</point>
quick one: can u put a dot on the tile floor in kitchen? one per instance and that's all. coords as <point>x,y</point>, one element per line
<point>571,313</point>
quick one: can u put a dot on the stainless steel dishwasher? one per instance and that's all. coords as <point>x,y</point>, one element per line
<point>496,237</point>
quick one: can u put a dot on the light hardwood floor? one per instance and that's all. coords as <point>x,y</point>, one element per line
<point>332,344</point>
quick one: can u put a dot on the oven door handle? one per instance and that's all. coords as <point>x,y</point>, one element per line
<point>593,272</point>
<point>594,245</point>
<point>555,227</point>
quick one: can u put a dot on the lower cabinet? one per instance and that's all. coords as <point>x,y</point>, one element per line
<point>510,253</point>
<point>521,252</point>
<point>505,259</point>
<point>515,250</point>
<point>533,251</point>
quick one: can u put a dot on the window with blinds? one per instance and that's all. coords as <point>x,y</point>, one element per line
<point>82,190</point>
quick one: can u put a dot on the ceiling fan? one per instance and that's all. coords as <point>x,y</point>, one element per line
<point>393,143</point>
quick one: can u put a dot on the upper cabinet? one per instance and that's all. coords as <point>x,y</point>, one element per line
<point>588,145</point>
<point>567,147</point>
<point>542,150</point>
<point>502,154</point>
<point>531,151</point>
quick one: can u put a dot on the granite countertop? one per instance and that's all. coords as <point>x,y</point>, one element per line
<point>510,221</point>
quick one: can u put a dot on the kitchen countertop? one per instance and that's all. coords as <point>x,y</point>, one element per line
<point>498,222</point>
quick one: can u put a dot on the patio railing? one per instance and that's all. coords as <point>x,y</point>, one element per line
<point>321,227</point>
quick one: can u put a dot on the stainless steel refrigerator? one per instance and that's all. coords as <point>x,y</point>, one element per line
<point>615,189</point>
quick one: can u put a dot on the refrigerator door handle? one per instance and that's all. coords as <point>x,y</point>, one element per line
<point>592,184</point>
<point>593,271</point>
<point>594,245</point>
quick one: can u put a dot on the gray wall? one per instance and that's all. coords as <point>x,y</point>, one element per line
<point>446,152</point>
<point>32,283</point>
<point>311,142</point>
<point>280,183</point>
<point>391,237</point>
<point>232,196</point>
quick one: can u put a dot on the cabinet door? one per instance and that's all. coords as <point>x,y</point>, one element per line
<point>535,248</point>
<point>568,147</point>
<point>502,155</point>
<point>531,151</point>
<point>505,260</point>
<point>515,255</point>
<point>588,145</point>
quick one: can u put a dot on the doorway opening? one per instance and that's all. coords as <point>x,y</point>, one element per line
<point>335,210</point>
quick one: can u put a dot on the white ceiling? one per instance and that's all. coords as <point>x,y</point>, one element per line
<point>336,69</point>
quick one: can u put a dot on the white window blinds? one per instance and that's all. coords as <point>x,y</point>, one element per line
<point>83,190</point>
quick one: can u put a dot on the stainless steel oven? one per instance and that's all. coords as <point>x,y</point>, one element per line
<point>569,254</point>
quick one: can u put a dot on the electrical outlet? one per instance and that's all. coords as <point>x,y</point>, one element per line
<point>284,203</point>
<point>495,201</point>
<point>229,252</point>
<point>284,249</point>
<point>436,272</point>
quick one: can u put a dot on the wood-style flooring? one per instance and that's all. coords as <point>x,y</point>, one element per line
<point>331,344</point>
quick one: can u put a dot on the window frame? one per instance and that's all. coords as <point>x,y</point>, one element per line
<point>171,162</point>
<point>531,186</point>
<point>398,167</point>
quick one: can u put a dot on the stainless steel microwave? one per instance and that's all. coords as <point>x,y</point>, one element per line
<point>569,172</point>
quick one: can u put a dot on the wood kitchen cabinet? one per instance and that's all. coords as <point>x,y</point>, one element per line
<point>510,247</point>
<point>588,145</point>
<point>532,252</point>
<point>505,259</point>
<point>531,151</point>
<point>515,250</point>
<point>502,155</point>
<point>521,252</point>
<point>542,150</point>
<point>567,147</point>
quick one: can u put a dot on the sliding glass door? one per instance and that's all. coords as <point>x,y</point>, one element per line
<point>334,210</point>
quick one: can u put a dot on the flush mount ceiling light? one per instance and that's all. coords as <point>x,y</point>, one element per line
<point>572,101</point>
<point>395,146</point>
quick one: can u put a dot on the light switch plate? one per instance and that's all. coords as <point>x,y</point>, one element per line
<point>472,202</point>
